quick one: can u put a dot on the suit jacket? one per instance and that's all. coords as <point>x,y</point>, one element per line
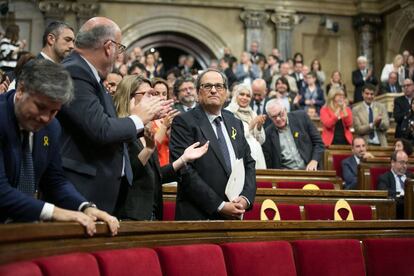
<point>203,182</point>
<point>361,121</point>
<point>401,109</point>
<point>387,182</point>
<point>358,82</point>
<point>268,121</point>
<point>49,177</point>
<point>93,138</point>
<point>144,196</point>
<point>350,173</point>
<point>180,107</point>
<point>307,139</point>
<point>386,88</point>
<point>300,83</point>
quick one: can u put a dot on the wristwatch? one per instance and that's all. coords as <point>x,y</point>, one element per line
<point>88,205</point>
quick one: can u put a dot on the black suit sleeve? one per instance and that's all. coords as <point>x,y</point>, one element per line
<point>267,148</point>
<point>349,178</point>
<point>385,184</point>
<point>196,190</point>
<point>357,79</point>
<point>399,110</point>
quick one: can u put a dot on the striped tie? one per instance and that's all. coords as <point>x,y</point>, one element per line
<point>26,182</point>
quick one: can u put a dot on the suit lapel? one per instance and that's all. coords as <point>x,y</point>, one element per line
<point>295,130</point>
<point>208,132</point>
<point>231,131</point>
<point>275,141</point>
<point>40,152</point>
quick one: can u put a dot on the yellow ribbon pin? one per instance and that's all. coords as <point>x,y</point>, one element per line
<point>296,134</point>
<point>233,133</point>
<point>45,141</point>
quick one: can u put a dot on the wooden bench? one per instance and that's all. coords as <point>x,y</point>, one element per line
<point>385,207</point>
<point>409,199</point>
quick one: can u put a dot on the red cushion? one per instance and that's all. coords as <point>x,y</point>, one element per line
<point>259,258</point>
<point>326,212</point>
<point>70,264</point>
<point>375,174</point>
<point>20,269</point>
<point>337,162</point>
<point>362,212</point>
<point>189,260</point>
<point>300,184</point>
<point>134,261</point>
<point>287,212</point>
<point>391,256</point>
<point>168,212</point>
<point>264,184</point>
<point>329,257</point>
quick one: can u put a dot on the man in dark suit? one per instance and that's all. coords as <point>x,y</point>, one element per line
<point>392,85</point>
<point>361,76</point>
<point>58,42</point>
<point>201,190</point>
<point>292,140</point>
<point>260,99</point>
<point>30,162</point>
<point>298,76</point>
<point>185,93</point>
<point>94,153</point>
<point>394,180</point>
<point>350,164</point>
<point>402,106</point>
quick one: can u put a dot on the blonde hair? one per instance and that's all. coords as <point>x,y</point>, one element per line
<point>239,88</point>
<point>124,92</point>
<point>330,101</point>
<point>398,59</point>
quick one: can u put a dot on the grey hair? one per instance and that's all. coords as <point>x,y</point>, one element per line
<point>198,81</point>
<point>272,103</point>
<point>93,38</point>
<point>362,58</point>
<point>47,78</point>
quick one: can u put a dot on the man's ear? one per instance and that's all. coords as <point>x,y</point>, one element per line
<point>19,91</point>
<point>51,38</point>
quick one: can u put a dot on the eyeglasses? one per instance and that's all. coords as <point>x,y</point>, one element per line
<point>208,86</point>
<point>120,48</point>
<point>279,115</point>
<point>402,162</point>
<point>407,85</point>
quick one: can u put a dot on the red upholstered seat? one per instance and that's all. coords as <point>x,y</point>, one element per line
<point>259,258</point>
<point>189,260</point>
<point>326,212</point>
<point>391,256</point>
<point>329,257</point>
<point>375,174</point>
<point>20,269</point>
<point>168,212</point>
<point>300,184</point>
<point>69,264</point>
<point>129,262</point>
<point>287,212</point>
<point>337,162</point>
<point>264,184</point>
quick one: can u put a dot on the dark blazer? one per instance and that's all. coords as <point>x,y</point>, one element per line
<point>386,181</point>
<point>202,183</point>
<point>268,121</point>
<point>49,177</point>
<point>180,107</point>
<point>145,194</point>
<point>300,83</point>
<point>358,82</point>
<point>308,140</point>
<point>386,88</point>
<point>401,109</point>
<point>320,99</point>
<point>93,137</point>
<point>350,173</point>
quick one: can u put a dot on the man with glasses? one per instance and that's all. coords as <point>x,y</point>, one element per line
<point>202,185</point>
<point>94,152</point>
<point>394,180</point>
<point>292,141</point>
<point>58,42</point>
<point>402,106</point>
<point>185,93</point>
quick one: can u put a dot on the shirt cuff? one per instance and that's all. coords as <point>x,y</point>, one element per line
<point>139,125</point>
<point>221,206</point>
<point>47,211</point>
<point>248,202</point>
<point>371,125</point>
<point>81,206</point>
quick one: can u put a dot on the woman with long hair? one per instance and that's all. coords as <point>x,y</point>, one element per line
<point>336,118</point>
<point>397,67</point>
<point>252,123</point>
<point>143,199</point>
<point>316,67</point>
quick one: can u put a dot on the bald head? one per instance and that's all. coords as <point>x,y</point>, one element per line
<point>259,89</point>
<point>95,32</point>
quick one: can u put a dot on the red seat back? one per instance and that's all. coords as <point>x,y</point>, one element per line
<point>326,212</point>
<point>259,258</point>
<point>168,212</point>
<point>20,269</point>
<point>69,264</point>
<point>196,259</point>
<point>328,257</point>
<point>129,262</point>
<point>337,162</point>
<point>391,256</point>
<point>375,174</point>
<point>263,184</point>
<point>300,184</point>
<point>287,212</point>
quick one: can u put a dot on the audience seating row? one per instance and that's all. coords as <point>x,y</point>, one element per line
<point>302,257</point>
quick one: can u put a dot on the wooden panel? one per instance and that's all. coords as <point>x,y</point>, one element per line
<point>409,199</point>
<point>28,241</point>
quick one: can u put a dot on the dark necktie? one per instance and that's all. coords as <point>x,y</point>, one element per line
<point>258,111</point>
<point>222,143</point>
<point>26,182</point>
<point>371,121</point>
<point>401,181</point>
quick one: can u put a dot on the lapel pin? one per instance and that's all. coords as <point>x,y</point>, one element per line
<point>45,141</point>
<point>233,133</point>
<point>296,134</point>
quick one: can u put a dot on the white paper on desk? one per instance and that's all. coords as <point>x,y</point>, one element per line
<point>235,183</point>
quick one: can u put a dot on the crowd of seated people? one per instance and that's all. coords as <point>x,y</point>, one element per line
<point>134,124</point>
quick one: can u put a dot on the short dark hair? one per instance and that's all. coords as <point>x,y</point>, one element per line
<point>179,81</point>
<point>136,64</point>
<point>407,146</point>
<point>368,86</point>
<point>55,28</point>
<point>284,81</point>
<point>355,138</point>
<point>198,81</point>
